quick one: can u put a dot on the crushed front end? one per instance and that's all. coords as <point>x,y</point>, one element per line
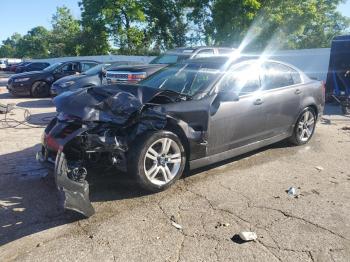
<point>95,137</point>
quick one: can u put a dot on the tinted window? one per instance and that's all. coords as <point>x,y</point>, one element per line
<point>169,59</point>
<point>277,75</point>
<point>87,66</point>
<point>243,80</point>
<point>70,67</point>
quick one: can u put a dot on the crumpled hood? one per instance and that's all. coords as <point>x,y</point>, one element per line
<point>105,104</point>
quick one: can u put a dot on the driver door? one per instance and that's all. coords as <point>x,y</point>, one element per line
<point>233,124</point>
<point>67,69</point>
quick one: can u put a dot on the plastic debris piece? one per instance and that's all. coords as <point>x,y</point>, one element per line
<point>176,225</point>
<point>292,191</point>
<point>248,236</point>
<point>319,168</point>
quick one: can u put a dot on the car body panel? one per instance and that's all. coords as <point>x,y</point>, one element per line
<point>212,128</point>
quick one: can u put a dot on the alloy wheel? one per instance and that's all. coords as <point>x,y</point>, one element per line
<point>306,126</point>
<point>162,161</point>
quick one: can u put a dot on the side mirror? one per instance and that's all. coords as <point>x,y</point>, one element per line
<point>228,96</point>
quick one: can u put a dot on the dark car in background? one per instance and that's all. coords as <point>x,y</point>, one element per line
<point>193,114</point>
<point>92,77</point>
<point>134,74</point>
<point>33,66</point>
<point>38,83</point>
<point>13,67</point>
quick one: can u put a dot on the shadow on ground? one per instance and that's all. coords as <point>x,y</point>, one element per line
<point>42,119</point>
<point>30,202</point>
<point>42,103</point>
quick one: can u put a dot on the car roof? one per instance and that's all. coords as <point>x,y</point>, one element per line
<point>190,50</point>
<point>84,60</point>
<point>223,59</point>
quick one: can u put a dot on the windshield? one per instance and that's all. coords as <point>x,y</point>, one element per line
<point>169,59</point>
<point>53,66</point>
<point>186,79</point>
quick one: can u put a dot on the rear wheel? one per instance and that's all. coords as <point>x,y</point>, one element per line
<point>305,127</point>
<point>40,89</point>
<point>157,160</point>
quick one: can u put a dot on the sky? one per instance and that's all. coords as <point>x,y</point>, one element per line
<point>22,15</point>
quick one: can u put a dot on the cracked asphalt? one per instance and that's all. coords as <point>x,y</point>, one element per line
<point>212,205</point>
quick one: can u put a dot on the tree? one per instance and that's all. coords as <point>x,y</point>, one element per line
<point>35,44</point>
<point>167,23</point>
<point>9,46</point>
<point>264,23</point>
<point>65,34</point>
<point>95,36</point>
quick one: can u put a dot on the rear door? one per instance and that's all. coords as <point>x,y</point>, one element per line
<point>282,88</point>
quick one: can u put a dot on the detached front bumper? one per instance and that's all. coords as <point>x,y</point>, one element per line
<point>71,181</point>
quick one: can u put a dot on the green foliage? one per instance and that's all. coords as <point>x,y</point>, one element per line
<point>35,44</point>
<point>65,34</point>
<point>138,27</point>
<point>274,24</point>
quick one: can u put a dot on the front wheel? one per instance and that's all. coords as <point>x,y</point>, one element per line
<point>304,128</point>
<point>157,160</point>
<point>40,89</point>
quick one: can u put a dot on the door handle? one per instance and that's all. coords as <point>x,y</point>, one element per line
<point>258,101</point>
<point>298,91</point>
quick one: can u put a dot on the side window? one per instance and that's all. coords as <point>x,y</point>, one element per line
<point>243,80</point>
<point>277,75</point>
<point>87,66</point>
<point>70,67</point>
<point>205,53</point>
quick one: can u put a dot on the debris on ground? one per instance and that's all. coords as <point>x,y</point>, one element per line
<point>219,224</point>
<point>248,236</point>
<point>292,191</point>
<point>346,128</point>
<point>319,168</point>
<point>174,223</point>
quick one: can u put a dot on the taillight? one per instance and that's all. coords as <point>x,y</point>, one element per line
<point>137,76</point>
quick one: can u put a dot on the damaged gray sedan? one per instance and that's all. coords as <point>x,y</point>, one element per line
<point>186,115</point>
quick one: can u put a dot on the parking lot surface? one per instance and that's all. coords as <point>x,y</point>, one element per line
<point>211,205</point>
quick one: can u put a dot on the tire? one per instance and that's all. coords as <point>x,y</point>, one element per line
<point>40,89</point>
<point>153,170</point>
<point>304,130</point>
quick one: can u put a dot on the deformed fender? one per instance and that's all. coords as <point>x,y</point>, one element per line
<point>197,139</point>
<point>76,193</point>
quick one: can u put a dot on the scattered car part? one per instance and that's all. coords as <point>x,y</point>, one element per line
<point>248,236</point>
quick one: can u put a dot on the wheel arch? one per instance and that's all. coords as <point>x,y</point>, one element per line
<point>174,127</point>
